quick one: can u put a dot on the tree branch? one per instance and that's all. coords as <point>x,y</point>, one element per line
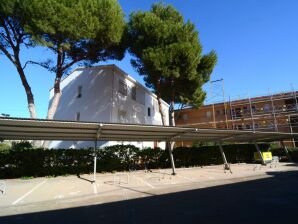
<point>12,28</point>
<point>45,65</point>
<point>7,54</point>
<point>72,63</point>
<point>9,40</point>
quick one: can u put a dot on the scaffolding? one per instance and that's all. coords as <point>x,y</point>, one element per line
<point>274,112</point>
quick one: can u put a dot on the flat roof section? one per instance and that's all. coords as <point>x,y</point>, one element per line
<point>42,129</point>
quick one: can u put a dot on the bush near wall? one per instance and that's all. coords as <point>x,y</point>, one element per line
<point>206,155</point>
<point>23,160</point>
<point>280,152</point>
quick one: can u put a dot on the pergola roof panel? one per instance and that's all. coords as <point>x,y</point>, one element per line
<point>40,129</point>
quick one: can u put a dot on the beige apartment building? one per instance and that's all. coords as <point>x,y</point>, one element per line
<point>277,112</point>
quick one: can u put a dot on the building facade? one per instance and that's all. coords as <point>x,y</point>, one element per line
<point>106,94</point>
<point>277,112</point>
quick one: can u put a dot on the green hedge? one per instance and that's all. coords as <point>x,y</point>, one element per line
<point>23,160</point>
<point>280,152</point>
<point>206,155</point>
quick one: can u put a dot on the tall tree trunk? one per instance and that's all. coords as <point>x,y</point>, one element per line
<point>57,92</point>
<point>170,144</point>
<point>55,102</point>
<point>160,104</point>
<point>172,114</point>
<point>56,98</point>
<point>172,106</point>
<point>29,94</point>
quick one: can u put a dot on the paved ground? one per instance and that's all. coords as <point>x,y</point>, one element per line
<point>198,195</point>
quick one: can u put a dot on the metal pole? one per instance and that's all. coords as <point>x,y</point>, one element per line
<point>224,99</point>
<point>291,130</point>
<point>251,114</point>
<point>260,154</point>
<point>295,97</point>
<point>286,151</point>
<point>170,148</point>
<point>273,110</point>
<point>227,167</point>
<point>95,158</point>
<point>231,112</point>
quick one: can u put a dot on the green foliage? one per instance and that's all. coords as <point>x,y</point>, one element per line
<point>168,54</point>
<point>80,30</point>
<point>18,146</point>
<point>152,158</point>
<point>4,148</point>
<point>280,152</point>
<point>12,21</point>
<point>23,161</point>
<point>207,155</point>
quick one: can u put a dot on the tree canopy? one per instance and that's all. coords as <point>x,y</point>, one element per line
<point>167,52</point>
<point>77,31</point>
<point>12,38</point>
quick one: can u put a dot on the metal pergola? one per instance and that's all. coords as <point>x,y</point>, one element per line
<point>42,129</point>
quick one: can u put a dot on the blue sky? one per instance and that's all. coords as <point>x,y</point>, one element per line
<point>256,42</point>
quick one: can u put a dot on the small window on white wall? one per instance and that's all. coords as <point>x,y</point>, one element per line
<point>79,95</point>
<point>134,93</point>
<point>78,116</point>
<point>149,112</point>
<point>122,88</point>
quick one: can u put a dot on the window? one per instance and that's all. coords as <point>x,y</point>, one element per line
<point>254,108</point>
<point>134,93</point>
<point>79,95</point>
<point>245,110</point>
<point>122,88</point>
<point>238,112</point>
<point>149,111</point>
<point>266,108</point>
<point>208,114</point>
<point>185,117</point>
<point>78,115</point>
<point>122,116</point>
<point>140,96</point>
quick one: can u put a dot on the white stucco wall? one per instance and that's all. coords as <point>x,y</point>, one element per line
<point>101,101</point>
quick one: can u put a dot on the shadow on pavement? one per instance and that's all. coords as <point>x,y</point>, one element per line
<point>268,200</point>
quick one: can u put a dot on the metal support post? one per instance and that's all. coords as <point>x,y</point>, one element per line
<point>252,115</point>
<point>95,158</point>
<point>226,165</point>
<point>274,116</point>
<point>231,112</point>
<point>225,105</point>
<point>295,97</point>
<point>260,154</point>
<point>286,151</point>
<point>98,133</point>
<point>170,148</point>
<point>291,130</point>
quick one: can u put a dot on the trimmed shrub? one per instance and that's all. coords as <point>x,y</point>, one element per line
<point>23,160</point>
<point>207,155</point>
<point>280,152</point>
